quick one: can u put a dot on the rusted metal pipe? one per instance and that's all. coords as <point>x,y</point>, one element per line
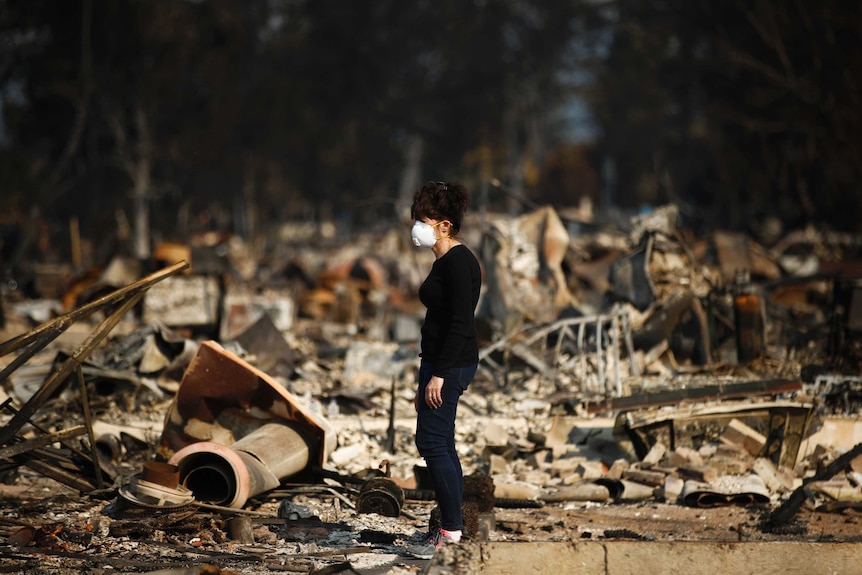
<point>229,476</point>
<point>382,496</point>
<point>235,432</point>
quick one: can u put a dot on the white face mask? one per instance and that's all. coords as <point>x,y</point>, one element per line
<point>423,234</point>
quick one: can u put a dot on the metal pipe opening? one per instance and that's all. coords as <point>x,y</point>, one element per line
<point>210,477</point>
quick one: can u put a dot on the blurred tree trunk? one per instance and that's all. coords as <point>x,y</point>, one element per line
<point>411,172</point>
<point>51,187</point>
<point>142,178</point>
<point>246,213</point>
<point>137,161</point>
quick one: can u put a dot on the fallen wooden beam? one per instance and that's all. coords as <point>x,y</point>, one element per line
<point>57,474</point>
<point>791,505</point>
<point>31,444</point>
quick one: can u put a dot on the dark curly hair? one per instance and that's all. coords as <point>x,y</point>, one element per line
<point>441,201</point>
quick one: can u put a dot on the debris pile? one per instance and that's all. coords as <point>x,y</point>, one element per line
<point>236,409</point>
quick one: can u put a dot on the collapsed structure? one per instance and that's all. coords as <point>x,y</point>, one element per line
<point>616,367</point>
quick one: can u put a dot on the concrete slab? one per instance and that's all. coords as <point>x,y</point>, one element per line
<point>655,558</point>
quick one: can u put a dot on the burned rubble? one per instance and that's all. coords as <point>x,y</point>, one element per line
<point>231,413</point>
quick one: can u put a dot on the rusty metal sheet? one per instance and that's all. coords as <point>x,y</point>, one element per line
<point>222,398</point>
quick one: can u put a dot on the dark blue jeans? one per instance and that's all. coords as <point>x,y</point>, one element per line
<point>435,440</point>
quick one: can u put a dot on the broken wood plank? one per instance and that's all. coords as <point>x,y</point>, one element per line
<point>654,478</point>
<point>57,474</point>
<point>740,434</point>
<point>31,444</point>
<point>791,505</point>
<point>88,422</point>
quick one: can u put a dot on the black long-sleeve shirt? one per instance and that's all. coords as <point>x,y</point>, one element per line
<point>450,294</point>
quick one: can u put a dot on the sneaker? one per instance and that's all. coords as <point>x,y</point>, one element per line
<point>426,550</point>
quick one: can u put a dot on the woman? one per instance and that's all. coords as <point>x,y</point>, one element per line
<point>449,350</point>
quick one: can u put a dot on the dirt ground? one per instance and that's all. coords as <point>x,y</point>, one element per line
<point>76,534</point>
<point>664,522</point>
<point>48,528</point>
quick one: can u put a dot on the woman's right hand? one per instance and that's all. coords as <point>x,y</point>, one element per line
<point>434,392</point>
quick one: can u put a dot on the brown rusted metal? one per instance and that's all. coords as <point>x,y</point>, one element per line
<point>36,345</point>
<point>240,529</point>
<point>22,537</point>
<point>162,473</point>
<point>133,292</point>
<point>156,488</point>
<point>234,431</point>
<point>223,393</point>
<point>382,496</point>
<point>256,463</point>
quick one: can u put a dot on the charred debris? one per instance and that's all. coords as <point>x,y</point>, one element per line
<point>616,366</point>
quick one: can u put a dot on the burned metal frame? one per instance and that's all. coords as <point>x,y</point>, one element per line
<point>616,325</point>
<point>787,421</point>
<point>718,390</point>
<point>116,305</point>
